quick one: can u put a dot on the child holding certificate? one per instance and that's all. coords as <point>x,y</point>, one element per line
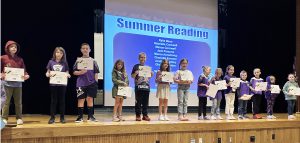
<point>270,97</point>
<point>256,98</point>
<point>290,97</point>
<point>87,85</point>
<point>57,63</point>
<point>184,78</point>
<point>13,88</point>
<point>215,108</point>
<point>142,89</point>
<point>163,90</point>
<point>229,93</point>
<point>203,83</point>
<point>119,79</point>
<point>244,89</point>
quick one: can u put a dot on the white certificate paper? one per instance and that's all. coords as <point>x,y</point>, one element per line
<point>212,90</point>
<point>294,91</point>
<point>85,63</point>
<point>221,84</point>
<point>261,86</point>
<point>124,91</point>
<point>145,71</point>
<point>235,82</point>
<point>58,78</point>
<point>185,75</point>
<point>14,74</point>
<point>275,89</point>
<point>245,97</point>
<point>167,77</point>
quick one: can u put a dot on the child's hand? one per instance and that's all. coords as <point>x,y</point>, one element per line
<point>189,82</point>
<point>206,86</point>
<point>25,77</point>
<point>83,71</point>
<point>2,75</point>
<point>125,84</point>
<point>68,75</point>
<point>136,72</point>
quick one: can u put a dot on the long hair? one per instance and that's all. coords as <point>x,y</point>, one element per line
<point>182,60</point>
<point>63,58</point>
<point>228,67</point>
<point>162,63</point>
<point>122,69</point>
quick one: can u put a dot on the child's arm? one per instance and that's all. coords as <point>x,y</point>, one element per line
<point>26,75</point>
<point>285,89</point>
<point>158,77</point>
<point>116,81</point>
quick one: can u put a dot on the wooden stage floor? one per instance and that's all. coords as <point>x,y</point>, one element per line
<point>37,129</point>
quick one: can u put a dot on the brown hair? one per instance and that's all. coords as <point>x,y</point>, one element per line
<point>63,58</point>
<point>123,68</point>
<point>182,60</point>
<point>229,67</point>
<point>162,63</point>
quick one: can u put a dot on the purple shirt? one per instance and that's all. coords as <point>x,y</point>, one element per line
<point>88,78</point>
<point>219,93</point>
<point>244,88</point>
<point>253,82</point>
<point>141,83</point>
<point>57,66</point>
<point>227,79</point>
<point>201,91</point>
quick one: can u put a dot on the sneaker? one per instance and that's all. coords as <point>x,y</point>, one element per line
<point>138,118</point>
<point>232,117</point>
<point>5,121</point>
<point>115,119</point>
<point>228,117</point>
<point>146,118</point>
<point>274,117</point>
<point>256,116</point>
<point>200,118</point>
<point>19,122</point>
<point>219,117</point>
<point>62,120</point>
<point>121,118</point>
<point>246,117</point>
<point>92,119</point>
<point>212,117</point>
<point>161,118</point>
<point>206,118</point>
<point>166,118</point>
<point>51,120</point>
<point>79,120</point>
<point>290,117</point>
<point>259,116</point>
<point>269,117</point>
<point>240,117</point>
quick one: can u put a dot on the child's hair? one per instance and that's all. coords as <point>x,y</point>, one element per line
<point>243,72</point>
<point>229,67</point>
<point>291,74</point>
<point>219,70</point>
<point>142,53</point>
<point>85,44</point>
<point>205,68</point>
<point>182,60</point>
<point>256,69</point>
<point>63,58</point>
<point>123,68</point>
<point>162,63</point>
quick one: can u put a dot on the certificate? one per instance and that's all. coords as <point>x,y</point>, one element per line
<point>261,86</point>
<point>58,78</point>
<point>167,77</point>
<point>245,97</point>
<point>185,76</point>
<point>212,90</point>
<point>235,82</point>
<point>145,71</point>
<point>14,74</point>
<point>85,63</point>
<point>124,91</point>
<point>294,91</point>
<point>221,84</point>
<point>275,89</point>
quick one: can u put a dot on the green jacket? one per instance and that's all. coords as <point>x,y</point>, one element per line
<point>118,79</point>
<point>285,90</point>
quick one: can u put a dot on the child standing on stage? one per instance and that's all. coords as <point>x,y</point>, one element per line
<point>184,78</point>
<point>119,78</point>
<point>215,108</point>
<point>229,93</point>
<point>87,85</point>
<point>203,83</point>
<point>256,98</point>
<point>289,97</point>
<point>57,63</point>
<point>142,90</point>
<point>242,90</point>
<point>13,88</point>
<point>270,97</point>
<point>163,90</point>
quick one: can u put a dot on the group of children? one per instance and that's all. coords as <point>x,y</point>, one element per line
<point>87,86</point>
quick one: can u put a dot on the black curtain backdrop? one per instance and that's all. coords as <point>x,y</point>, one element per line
<point>259,33</point>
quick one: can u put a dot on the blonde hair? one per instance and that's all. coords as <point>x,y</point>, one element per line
<point>228,68</point>
<point>256,69</point>
<point>219,70</point>
<point>142,53</point>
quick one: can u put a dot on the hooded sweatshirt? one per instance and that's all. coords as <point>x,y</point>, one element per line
<point>285,90</point>
<point>12,61</point>
<point>268,92</point>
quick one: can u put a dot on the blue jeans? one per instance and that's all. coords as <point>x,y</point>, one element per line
<point>291,106</point>
<point>215,108</point>
<point>183,96</point>
<point>242,109</point>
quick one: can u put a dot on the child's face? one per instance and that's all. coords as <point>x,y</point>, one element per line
<point>230,71</point>
<point>142,59</point>
<point>12,49</point>
<point>243,76</point>
<point>207,71</point>
<point>165,65</point>
<point>58,54</point>
<point>257,73</point>
<point>291,78</point>
<point>85,50</point>
<point>218,74</point>
<point>184,65</point>
<point>272,79</point>
<point>119,66</point>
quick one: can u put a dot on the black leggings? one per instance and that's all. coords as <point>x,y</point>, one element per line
<point>57,93</point>
<point>202,106</point>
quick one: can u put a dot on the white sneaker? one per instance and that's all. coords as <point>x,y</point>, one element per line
<point>206,118</point>
<point>219,117</point>
<point>161,118</point>
<point>270,117</point>
<point>212,117</point>
<point>240,117</point>
<point>5,121</point>
<point>232,117</point>
<point>19,122</point>
<point>274,117</point>
<point>228,117</point>
<point>200,118</point>
<point>166,118</point>
<point>294,117</point>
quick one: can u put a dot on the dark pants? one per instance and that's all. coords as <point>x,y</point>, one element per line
<point>270,103</point>
<point>57,95</point>
<point>202,106</point>
<point>256,99</point>
<point>242,109</point>
<point>141,102</point>
<point>291,106</point>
